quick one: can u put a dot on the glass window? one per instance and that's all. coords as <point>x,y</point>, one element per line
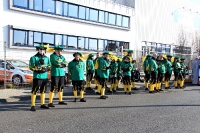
<point>93,15</point>
<point>48,38</point>
<point>86,44</point>
<point>65,41</point>
<point>58,40</point>
<point>111,46</point>
<point>49,6</point>
<point>81,13</point>
<point>20,38</point>
<point>73,10</point>
<point>111,19</point>
<point>105,45</point>
<point>101,16</point>
<point>59,7</point>
<point>87,13</point>
<point>37,38</point>
<point>81,43</point>
<point>65,9</point>
<point>119,20</point>
<point>167,49</point>
<point>101,45</point>
<point>106,17</point>
<point>72,42</point>
<point>92,44</point>
<point>30,38</point>
<point>21,3</point>
<point>38,5</point>
<point>31,3</point>
<point>125,21</point>
<point>163,48</point>
<point>158,48</point>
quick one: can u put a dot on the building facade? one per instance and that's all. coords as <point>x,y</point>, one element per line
<point>89,26</point>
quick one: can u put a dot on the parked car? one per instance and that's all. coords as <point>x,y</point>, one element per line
<point>17,71</point>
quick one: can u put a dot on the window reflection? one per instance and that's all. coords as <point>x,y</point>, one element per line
<point>125,22</point>
<point>72,42</point>
<point>93,15</point>
<point>106,17</point>
<point>48,38</point>
<point>38,5</point>
<point>37,38</point>
<point>92,44</point>
<point>101,16</point>
<point>65,9</point>
<point>59,7</point>
<point>31,4</point>
<point>20,38</point>
<point>81,12</point>
<point>49,6</point>
<point>81,43</point>
<point>87,13</point>
<point>30,38</point>
<point>58,40</point>
<point>101,45</point>
<point>73,10</point>
<point>111,46</point>
<point>111,19</point>
<point>65,41</point>
<point>167,49</point>
<point>119,20</point>
<point>21,3</point>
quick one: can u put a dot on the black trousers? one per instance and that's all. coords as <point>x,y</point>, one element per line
<point>167,76</point>
<point>132,77</point>
<point>178,76</point>
<point>78,85</point>
<point>39,84</point>
<point>89,77</point>
<point>57,83</point>
<point>160,77</point>
<point>153,77</point>
<point>127,80</point>
<point>147,76</point>
<point>103,82</point>
<point>113,80</point>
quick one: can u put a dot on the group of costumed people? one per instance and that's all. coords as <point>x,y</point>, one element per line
<point>102,68</point>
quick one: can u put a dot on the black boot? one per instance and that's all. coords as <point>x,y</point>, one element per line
<point>151,91</point>
<point>33,108</point>
<point>44,106</point>
<point>130,93</point>
<point>82,100</point>
<point>51,105</point>
<point>125,92</point>
<point>146,89</point>
<point>98,93</point>
<point>102,97</point>
<point>135,89</point>
<point>75,99</point>
<point>62,103</point>
<point>88,88</point>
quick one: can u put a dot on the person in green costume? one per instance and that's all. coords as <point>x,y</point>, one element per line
<point>168,66</point>
<point>58,63</point>
<point>133,75</point>
<point>153,68</point>
<point>161,72</point>
<point>119,72</point>
<point>127,68</point>
<point>177,72</point>
<point>76,70</point>
<point>113,75</point>
<point>104,67</point>
<point>97,74</point>
<point>89,70</point>
<point>146,70</point>
<point>40,65</point>
<point>184,71</point>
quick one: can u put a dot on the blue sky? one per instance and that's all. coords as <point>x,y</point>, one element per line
<point>195,1</point>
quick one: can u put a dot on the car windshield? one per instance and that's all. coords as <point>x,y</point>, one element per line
<point>18,63</point>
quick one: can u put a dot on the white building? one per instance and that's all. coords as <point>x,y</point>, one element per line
<point>89,26</point>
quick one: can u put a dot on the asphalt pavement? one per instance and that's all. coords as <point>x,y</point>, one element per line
<point>170,111</point>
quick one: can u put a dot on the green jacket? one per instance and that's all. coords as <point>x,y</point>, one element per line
<point>114,69</point>
<point>76,70</point>
<point>35,64</point>
<point>161,66</point>
<point>177,67</point>
<point>146,65</point>
<point>98,62</point>
<point>153,67</point>
<point>104,66</point>
<point>168,66</point>
<point>56,62</point>
<point>89,66</point>
<point>183,66</point>
<point>126,68</point>
<point>119,68</point>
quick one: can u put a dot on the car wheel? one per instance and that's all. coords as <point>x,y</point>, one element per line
<point>17,80</point>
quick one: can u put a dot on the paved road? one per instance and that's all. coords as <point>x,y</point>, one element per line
<point>173,111</point>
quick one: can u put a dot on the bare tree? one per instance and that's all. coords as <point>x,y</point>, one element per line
<point>182,41</point>
<point>195,43</point>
